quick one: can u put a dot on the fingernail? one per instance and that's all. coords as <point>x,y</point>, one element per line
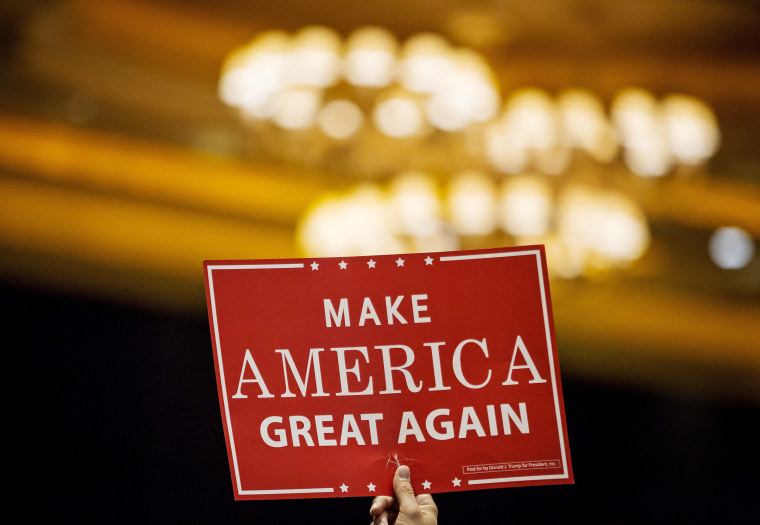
<point>403,472</point>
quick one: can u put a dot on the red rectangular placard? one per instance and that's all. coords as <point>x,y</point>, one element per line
<point>333,371</point>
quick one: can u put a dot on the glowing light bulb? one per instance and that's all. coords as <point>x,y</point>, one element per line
<point>370,59</point>
<point>414,197</point>
<point>297,108</point>
<point>584,124</point>
<point>424,62</point>
<point>340,119</point>
<point>731,248</point>
<point>525,206</point>
<point>472,203</point>
<point>608,226</point>
<point>639,122</point>
<point>503,149</point>
<point>398,116</point>
<point>532,116</point>
<point>315,59</point>
<point>353,223</point>
<point>253,76</point>
<point>464,93</point>
<point>691,128</point>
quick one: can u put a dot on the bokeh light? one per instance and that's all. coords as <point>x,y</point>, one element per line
<point>731,248</point>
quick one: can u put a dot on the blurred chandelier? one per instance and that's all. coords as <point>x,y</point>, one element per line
<point>442,161</point>
<point>313,99</point>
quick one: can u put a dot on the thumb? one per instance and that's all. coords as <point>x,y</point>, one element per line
<point>402,487</point>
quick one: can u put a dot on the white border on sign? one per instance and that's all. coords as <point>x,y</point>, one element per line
<point>228,421</point>
<point>446,258</point>
<point>547,331</point>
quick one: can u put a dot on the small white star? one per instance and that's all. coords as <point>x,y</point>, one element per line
<point>426,485</point>
<point>429,260</point>
<point>315,266</point>
<point>371,263</point>
<point>344,488</point>
<point>371,487</point>
<point>456,481</point>
<point>343,265</point>
<point>399,262</point>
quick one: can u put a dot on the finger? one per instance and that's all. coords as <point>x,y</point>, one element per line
<point>424,499</point>
<point>426,503</point>
<point>382,519</point>
<point>379,504</point>
<point>402,487</point>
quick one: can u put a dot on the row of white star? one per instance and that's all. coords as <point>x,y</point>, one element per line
<point>426,485</point>
<point>371,263</point>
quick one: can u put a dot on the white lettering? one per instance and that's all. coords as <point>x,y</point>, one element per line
<point>341,315</point>
<point>274,433</point>
<point>457,362</point>
<point>469,422</point>
<point>300,430</point>
<point>492,420</point>
<point>507,413</point>
<point>248,360</point>
<point>417,308</point>
<point>368,312</point>
<point>437,367</point>
<point>373,419</point>
<point>354,370</point>
<point>282,439</point>
<point>409,427</point>
<point>352,432</point>
<point>402,368</point>
<point>392,309</point>
<point>313,358</point>
<point>322,429</point>
<point>447,426</point>
<point>520,345</point>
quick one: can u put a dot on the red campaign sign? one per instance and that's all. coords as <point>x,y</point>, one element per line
<point>333,371</point>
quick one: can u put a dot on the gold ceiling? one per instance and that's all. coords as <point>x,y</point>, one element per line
<point>120,170</point>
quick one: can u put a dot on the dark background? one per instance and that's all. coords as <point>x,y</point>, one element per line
<point>121,169</point>
<point>115,418</point>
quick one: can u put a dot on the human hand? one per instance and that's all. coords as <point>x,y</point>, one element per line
<point>405,508</point>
